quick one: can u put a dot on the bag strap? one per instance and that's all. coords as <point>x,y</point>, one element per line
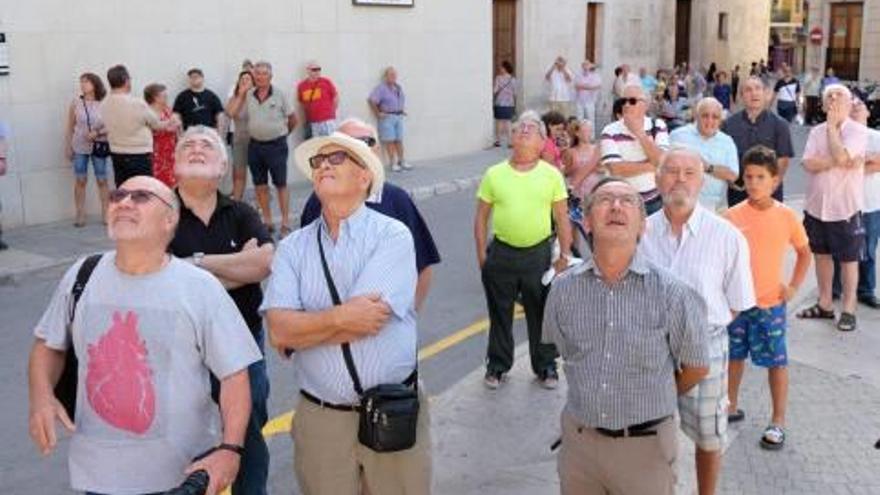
<point>82,278</point>
<point>334,295</point>
<point>88,120</point>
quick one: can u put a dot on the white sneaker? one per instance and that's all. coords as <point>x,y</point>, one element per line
<point>396,168</point>
<point>405,165</point>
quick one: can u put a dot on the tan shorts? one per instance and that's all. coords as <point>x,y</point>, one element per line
<point>703,409</point>
<point>329,460</point>
<point>590,463</point>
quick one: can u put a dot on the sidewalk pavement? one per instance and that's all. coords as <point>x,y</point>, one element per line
<point>498,442</point>
<point>45,246</point>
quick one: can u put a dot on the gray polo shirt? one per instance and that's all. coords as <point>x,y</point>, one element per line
<point>267,119</point>
<point>768,130</point>
<point>622,343</point>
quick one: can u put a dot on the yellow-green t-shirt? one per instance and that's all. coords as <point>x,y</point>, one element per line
<point>522,202</point>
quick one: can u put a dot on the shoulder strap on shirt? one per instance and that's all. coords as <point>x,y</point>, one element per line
<point>82,278</point>
<point>346,348</point>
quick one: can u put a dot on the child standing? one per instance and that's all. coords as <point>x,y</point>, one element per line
<point>769,227</point>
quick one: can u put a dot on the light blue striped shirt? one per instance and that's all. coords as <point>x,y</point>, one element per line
<point>373,254</point>
<point>716,150</point>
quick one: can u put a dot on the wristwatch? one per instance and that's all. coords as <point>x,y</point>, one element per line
<point>197,258</point>
<point>710,168</point>
<point>238,449</point>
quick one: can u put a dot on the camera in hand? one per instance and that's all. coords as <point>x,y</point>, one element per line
<point>194,484</point>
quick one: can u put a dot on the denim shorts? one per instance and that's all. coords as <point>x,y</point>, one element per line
<point>323,128</point>
<point>760,332</point>
<point>391,128</point>
<point>81,166</point>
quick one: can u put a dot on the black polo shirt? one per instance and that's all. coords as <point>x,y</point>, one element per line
<point>769,130</point>
<point>231,226</point>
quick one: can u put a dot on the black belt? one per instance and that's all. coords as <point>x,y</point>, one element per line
<point>271,141</point>
<point>517,248</point>
<point>410,380</point>
<point>639,430</point>
<point>400,112</point>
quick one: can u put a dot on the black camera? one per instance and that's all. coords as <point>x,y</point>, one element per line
<point>194,484</point>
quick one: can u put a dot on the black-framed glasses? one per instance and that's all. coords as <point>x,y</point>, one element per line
<point>369,140</point>
<point>631,100</point>
<point>315,69</point>
<point>335,158</point>
<point>138,196</point>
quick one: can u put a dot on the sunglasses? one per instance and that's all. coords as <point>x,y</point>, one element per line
<point>369,140</point>
<point>631,100</point>
<point>315,69</point>
<point>335,159</point>
<point>138,196</point>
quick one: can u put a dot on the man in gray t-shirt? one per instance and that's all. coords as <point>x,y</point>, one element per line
<point>148,331</point>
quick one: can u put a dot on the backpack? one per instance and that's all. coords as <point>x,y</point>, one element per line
<point>65,389</point>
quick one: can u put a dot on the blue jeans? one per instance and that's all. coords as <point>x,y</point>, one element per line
<point>254,470</point>
<point>81,166</point>
<point>868,265</point>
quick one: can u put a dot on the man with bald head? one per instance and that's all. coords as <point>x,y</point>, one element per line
<point>633,339</point>
<point>711,255</point>
<point>149,329</point>
<point>632,146</point>
<point>718,151</point>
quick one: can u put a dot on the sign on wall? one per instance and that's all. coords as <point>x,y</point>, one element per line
<point>385,3</point>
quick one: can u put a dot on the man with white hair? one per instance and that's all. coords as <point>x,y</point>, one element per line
<point>631,147</point>
<point>149,330</point>
<point>718,151</point>
<point>521,194</point>
<point>348,280</point>
<point>587,85</point>
<point>319,99</point>
<point>388,103</point>
<point>560,78</point>
<point>712,256</point>
<point>226,238</point>
<point>393,201</point>
<point>835,161</point>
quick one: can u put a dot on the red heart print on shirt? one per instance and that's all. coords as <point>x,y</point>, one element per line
<point>119,380</point>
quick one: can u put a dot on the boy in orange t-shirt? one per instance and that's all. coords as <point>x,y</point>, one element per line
<point>769,227</point>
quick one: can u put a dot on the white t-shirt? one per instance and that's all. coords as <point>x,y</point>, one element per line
<point>872,180</point>
<point>560,89</point>
<point>147,346</point>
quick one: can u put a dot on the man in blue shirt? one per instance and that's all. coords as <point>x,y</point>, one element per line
<point>394,202</point>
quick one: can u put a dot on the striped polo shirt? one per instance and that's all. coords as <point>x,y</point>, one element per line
<point>617,144</point>
<point>621,343</point>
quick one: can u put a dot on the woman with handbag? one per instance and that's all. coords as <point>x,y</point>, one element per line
<point>86,140</point>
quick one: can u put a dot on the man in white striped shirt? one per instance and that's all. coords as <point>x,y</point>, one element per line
<point>711,255</point>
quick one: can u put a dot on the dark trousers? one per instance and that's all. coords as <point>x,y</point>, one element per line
<point>787,110</point>
<point>507,273</point>
<point>868,265</point>
<point>126,166</point>
<point>812,110</point>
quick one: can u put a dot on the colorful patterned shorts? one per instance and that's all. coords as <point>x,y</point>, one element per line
<point>703,409</point>
<point>759,332</point>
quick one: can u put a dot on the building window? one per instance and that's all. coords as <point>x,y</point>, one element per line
<point>722,26</point>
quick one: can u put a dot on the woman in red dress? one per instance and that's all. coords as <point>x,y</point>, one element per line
<point>164,141</point>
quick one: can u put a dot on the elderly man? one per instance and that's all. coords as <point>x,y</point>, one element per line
<point>149,329</point>
<point>387,101</point>
<point>632,337</point>
<point>560,79</point>
<point>631,147</point>
<point>718,151</point>
<point>394,202</point>
<point>588,86</point>
<point>319,99</point>
<point>754,125</point>
<point>521,194</point>
<point>347,280</point>
<point>270,119</point>
<point>835,161</point>
<point>712,256</point>
<point>227,239</point>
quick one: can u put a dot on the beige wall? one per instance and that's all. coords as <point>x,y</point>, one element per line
<point>748,33</point>
<point>439,47</point>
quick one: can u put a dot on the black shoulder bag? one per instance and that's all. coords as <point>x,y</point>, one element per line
<point>65,389</point>
<point>100,149</point>
<point>389,413</point>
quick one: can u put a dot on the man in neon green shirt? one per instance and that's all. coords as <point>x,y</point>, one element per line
<point>521,194</point>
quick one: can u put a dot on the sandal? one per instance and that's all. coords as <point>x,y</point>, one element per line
<point>816,312</point>
<point>736,416</point>
<point>847,322</point>
<point>773,438</point>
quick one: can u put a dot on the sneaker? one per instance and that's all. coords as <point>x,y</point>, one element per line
<point>492,380</point>
<point>3,245</point>
<point>549,379</point>
<point>404,165</point>
<point>396,168</point>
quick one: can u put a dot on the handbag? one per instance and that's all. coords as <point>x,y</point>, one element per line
<point>100,149</point>
<point>388,413</point>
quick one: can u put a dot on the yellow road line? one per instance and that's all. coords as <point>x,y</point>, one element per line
<point>281,423</point>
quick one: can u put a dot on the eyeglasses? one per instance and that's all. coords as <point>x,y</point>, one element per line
<point>369,140</point>
<point>315,69</point>
<point>605,200</point>
<point>190,144</point>
<point>138,196</point>
<point>631,100</point>
<point>526,128</point>
<point>335,159</point>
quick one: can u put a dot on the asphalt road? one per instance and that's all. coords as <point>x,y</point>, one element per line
<point>456,301</point>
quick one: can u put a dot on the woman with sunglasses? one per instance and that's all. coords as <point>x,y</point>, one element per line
<point>86,140</point>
